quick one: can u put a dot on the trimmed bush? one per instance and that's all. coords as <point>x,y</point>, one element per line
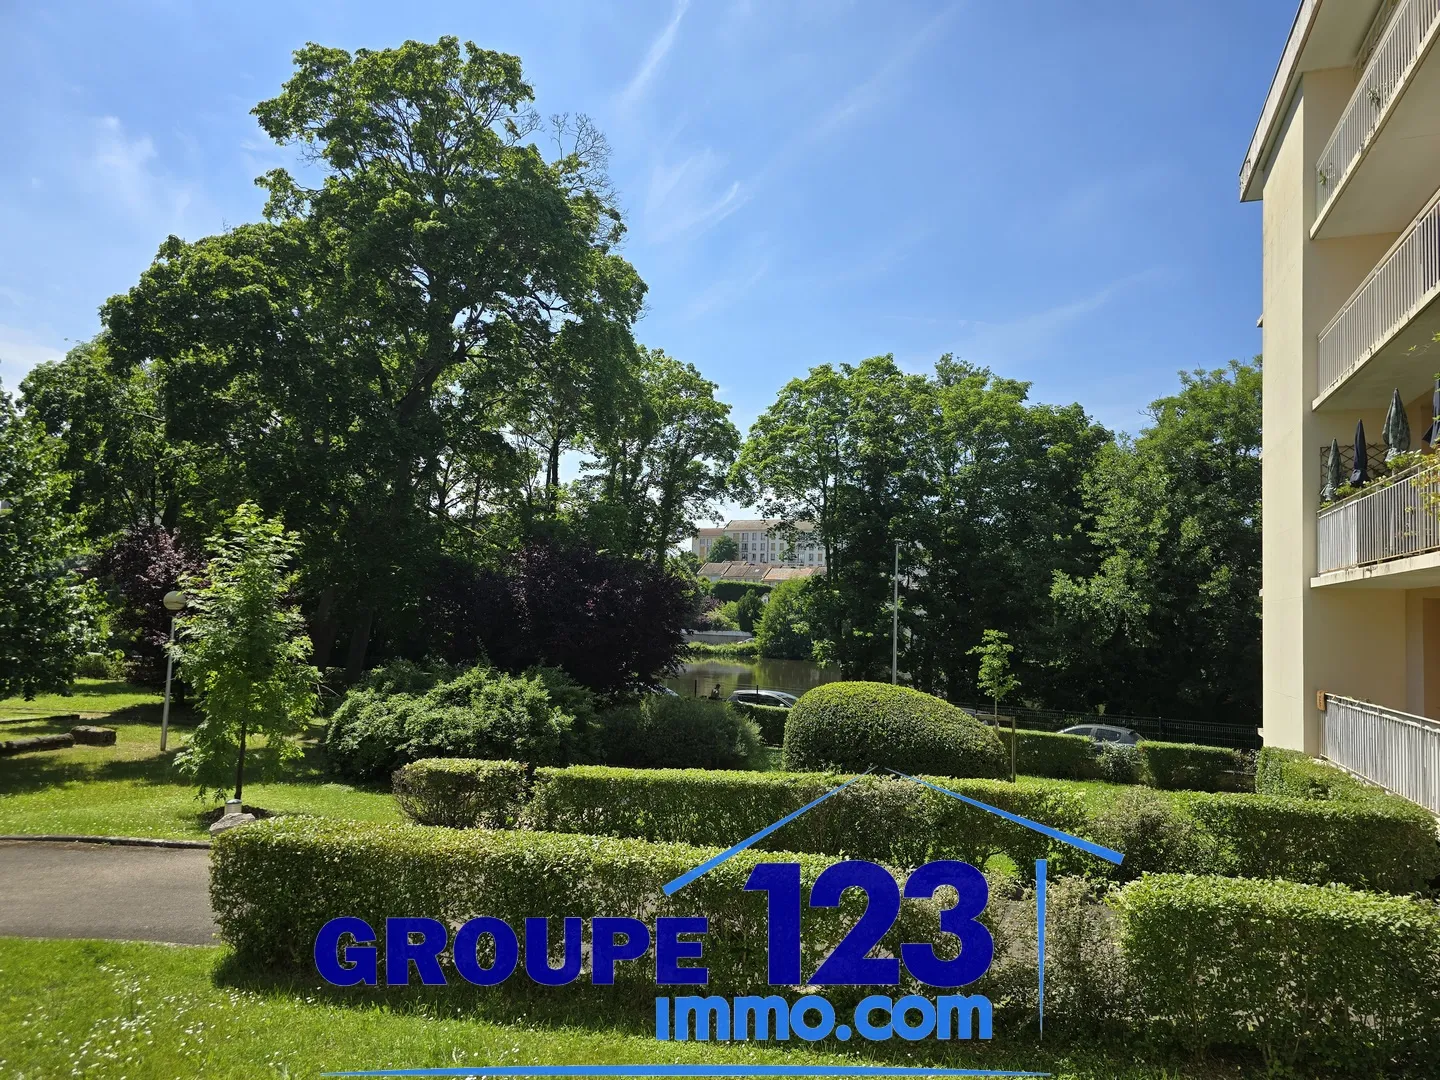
<point>770,719</point>
<point>274,884</point>
<point>1289,772</point>
<point>1337,979</point>
<point>1151,831</point>
<point>1117,763</point>
<point>1363,846</point>
<point>725,591</point>
<point>852,726</point>
<point>1050,754</point>
<point>1183,766</point>
<point>480,714</point>
<point>462,792</point>
<point>886,820</point>
<point>660,731</point>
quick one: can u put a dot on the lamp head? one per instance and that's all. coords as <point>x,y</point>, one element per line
<point>175,601</point>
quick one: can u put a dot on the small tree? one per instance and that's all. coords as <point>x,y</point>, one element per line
<point>242,647</point>
<point>724,550</point>
<point>995,679</point>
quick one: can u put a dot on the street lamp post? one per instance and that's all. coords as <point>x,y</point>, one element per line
<point>895,623</point>
<point>174,603</point>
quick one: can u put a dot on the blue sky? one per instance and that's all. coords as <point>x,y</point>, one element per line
<point>1046,188</point>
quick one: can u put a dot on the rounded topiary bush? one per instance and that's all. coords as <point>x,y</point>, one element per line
<point>851,726</point>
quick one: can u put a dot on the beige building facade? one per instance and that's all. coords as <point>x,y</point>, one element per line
<point>1346,162</point>
<point>762,542</point>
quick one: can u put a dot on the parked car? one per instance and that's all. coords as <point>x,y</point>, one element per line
<point>775,698</point>
<point>1104,733</point>
<point>984,717</point>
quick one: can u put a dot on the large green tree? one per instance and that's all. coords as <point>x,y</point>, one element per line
<point>1001,511</point>
<point>124,473</point>
<point>664,460</point>
<point>1169,624</point>
<point>436,260</point>
<point>47,613</point>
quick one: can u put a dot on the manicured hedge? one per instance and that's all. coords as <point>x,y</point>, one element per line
<point>1355,844</point>
<point>734,590</point>
<point>904,824</point>
<point>275,883</point>
<point>887,820</point>
<point>770,719</point>
<point>463,792</point>
<point>1289,772</point>
<point>1339,982</point>
<point>1046,753</point>
<point>661,731</point>
<point>852,726</point>
<point>1342,981</point>
<point>1176,766</point>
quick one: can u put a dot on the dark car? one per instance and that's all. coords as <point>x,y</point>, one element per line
<point>775,698</point>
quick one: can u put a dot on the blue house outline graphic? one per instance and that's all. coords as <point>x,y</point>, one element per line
<point>1089,846</point>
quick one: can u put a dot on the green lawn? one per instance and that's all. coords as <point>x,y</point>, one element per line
<point>131,789</point>
<point>131,1010</point>
<point>89,697</point>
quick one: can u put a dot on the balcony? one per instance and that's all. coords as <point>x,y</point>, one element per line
<point>1381,524</point>
<point>1382,159</point>
<point>1380,338</point>
<point>1398,751</point>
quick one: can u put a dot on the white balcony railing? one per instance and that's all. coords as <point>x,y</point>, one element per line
<point>1394,56</point>
<point>1403,283</point>
<point>1391,522</point>
<point>1398,751</point>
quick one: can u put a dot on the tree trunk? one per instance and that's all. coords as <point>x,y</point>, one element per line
<point>359,645</point>
<point>326,628</point>
<point>240,767</point>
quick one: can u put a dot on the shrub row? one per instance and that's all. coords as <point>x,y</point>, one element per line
<point>274,885</point>
<point>1289,772</point>
<point>770,719</point>
<point>1339,979</point>
<point>403,713</point>
<point>904,824</point>
<point>1184,766</point>
<point>1297,974</point>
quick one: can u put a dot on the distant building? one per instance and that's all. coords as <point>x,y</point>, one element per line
<point>761,543</point>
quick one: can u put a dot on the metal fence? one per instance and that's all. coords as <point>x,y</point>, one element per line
<point>1389,522</point>
<point>1398,751</point>
<point>1397,289</point>
<point>1391,61</point>
<point>1242,736</point>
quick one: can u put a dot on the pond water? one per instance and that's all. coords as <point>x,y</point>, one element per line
<point>696,679</point>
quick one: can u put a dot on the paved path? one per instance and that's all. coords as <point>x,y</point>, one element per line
<point>69,890</point>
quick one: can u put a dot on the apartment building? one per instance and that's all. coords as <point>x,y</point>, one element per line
<point>1346,160</point>
<point>763,543</point>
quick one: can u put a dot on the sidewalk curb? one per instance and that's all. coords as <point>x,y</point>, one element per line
<point>124,841</point>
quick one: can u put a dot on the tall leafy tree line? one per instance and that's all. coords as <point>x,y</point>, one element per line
<point>422,360</point>
<point>1125,572</point>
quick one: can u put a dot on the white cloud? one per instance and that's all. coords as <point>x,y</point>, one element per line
<point>654,57</point>
<point>686,196</point>
<point>125,169</point>
<point>21,350</point>
<point>725,291</point>
<point>861,97</point>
